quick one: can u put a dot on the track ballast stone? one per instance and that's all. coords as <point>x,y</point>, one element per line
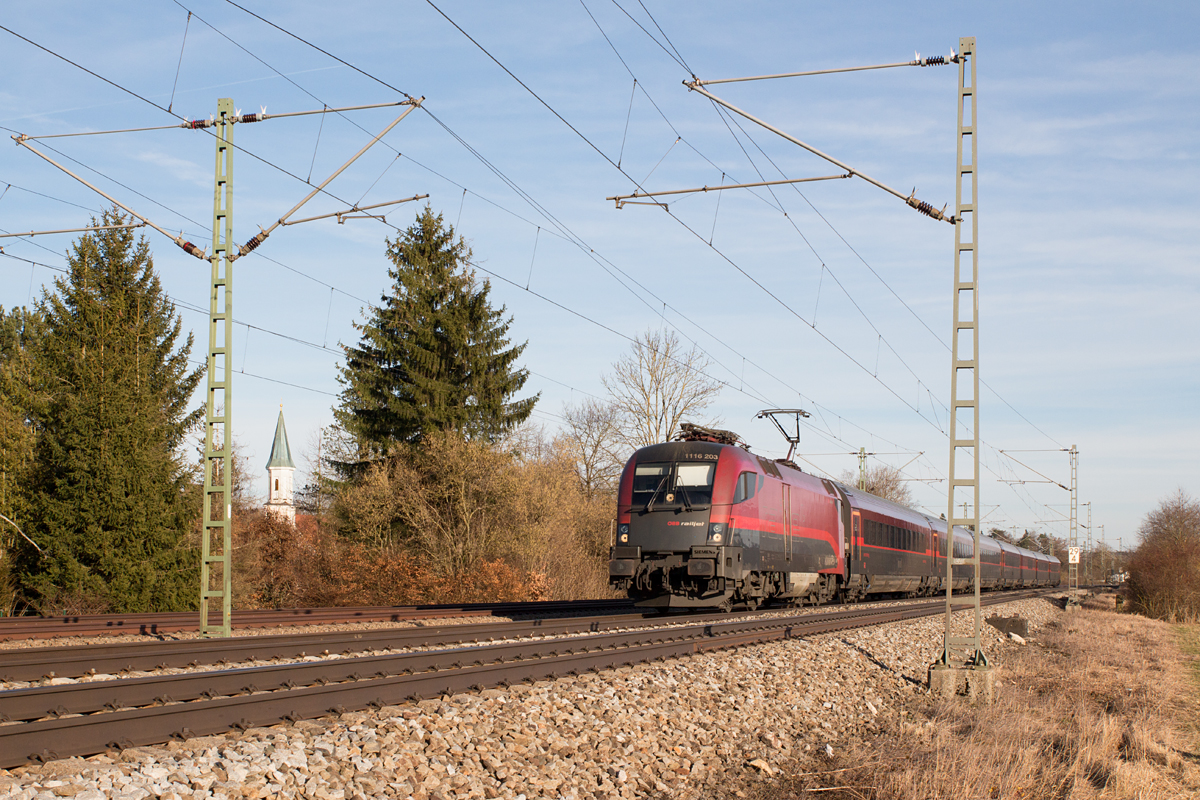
<point>693,727</point>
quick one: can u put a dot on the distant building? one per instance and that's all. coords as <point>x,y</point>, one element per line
<point>280,469</point>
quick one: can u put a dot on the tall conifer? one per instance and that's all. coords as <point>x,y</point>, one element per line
<point>109,490</point>
<point>21,395</point>
<point>434,355</point>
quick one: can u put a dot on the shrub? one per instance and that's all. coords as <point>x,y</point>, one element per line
<point>307,566</point>
<point>460,508</point>
<point>1164,572</point>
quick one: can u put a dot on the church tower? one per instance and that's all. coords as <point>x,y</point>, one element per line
<point>280,469</point>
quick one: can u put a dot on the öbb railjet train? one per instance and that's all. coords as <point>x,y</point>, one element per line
<point>705,524</point>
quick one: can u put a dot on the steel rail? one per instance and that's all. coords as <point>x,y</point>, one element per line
<point>88,698</point>
<point>88,734</point>
<point>177,622</point>
<point>32,664</point>
<point>85,698</point>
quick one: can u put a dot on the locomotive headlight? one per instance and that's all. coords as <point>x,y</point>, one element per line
<point>623,533</point>
<point>716,533</point>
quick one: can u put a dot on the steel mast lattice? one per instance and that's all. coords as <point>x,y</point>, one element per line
<point>964,651</point>
<point>216,573</point>
<point>1073,549</point>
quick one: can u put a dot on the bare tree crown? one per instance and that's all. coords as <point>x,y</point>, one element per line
<point>657,385</point>
<point>883,481</point>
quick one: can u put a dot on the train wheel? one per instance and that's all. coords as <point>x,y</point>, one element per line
<point>747,602</point>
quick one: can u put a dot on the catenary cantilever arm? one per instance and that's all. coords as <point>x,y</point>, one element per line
<point>187,246</point>
<point>910,199</point>
<point>262,235</point>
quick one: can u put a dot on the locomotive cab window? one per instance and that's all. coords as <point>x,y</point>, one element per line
<point>673,484</point>
<point>747,486</point>
<point>696,480</point>
<point>649,479</point>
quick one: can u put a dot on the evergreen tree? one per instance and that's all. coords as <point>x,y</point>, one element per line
<point>21,393</point>
<point>434,356</point>
<point>110,494</point>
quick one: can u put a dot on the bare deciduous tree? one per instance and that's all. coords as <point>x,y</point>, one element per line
<point>656,385</point>
<point>1000,535</point>
<point>1030,542</point>
<point>883,481</point>
<point>1164,573</point>
<point>591,437</point>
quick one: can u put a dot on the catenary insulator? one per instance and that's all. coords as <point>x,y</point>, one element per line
<point>933,61</point>
<point>191,249</point>
<point>251,117</point>
<point>924,207</point>
<point>198,123</point>
<point>254,242</point>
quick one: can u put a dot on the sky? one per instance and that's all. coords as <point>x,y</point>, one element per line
<point>831,296</point>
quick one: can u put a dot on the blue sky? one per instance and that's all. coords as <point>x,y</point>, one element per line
<point>1088,144</point>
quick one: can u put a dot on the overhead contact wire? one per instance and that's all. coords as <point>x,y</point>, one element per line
<point>480,157</point>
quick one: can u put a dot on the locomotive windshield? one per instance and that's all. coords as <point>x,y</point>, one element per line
<point>673,484</point>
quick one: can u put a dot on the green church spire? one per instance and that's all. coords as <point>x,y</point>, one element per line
<point>281,454</point>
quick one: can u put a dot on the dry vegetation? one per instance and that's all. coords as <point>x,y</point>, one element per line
<point>305,566</point>
<point>1101,706</point>
<point>1164,573</point>
<point>452,521</point>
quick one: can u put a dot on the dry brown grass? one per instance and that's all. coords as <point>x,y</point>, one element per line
<point>1101,706</point>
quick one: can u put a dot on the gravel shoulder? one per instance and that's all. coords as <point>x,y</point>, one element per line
<point>706,726</point>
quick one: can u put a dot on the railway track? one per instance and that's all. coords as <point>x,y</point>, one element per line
<point>47,722</point>
<point>177,622</point>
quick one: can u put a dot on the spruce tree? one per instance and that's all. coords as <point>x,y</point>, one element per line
<point>433,356</point>
<point>21,395</point>
<point>111,495</point>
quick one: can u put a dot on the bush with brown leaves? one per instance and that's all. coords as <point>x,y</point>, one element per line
<point>456,505</point>
<point>306,566</point>
<point>1164,572</point>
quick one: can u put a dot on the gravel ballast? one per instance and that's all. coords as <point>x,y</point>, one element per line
<point>693,727</point>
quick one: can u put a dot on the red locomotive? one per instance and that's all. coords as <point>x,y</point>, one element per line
<point>705,523</point>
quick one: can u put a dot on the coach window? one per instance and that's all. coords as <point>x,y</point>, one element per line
<point>747,485</point>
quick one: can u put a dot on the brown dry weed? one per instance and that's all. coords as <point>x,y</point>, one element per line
<point>1101,705</point>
